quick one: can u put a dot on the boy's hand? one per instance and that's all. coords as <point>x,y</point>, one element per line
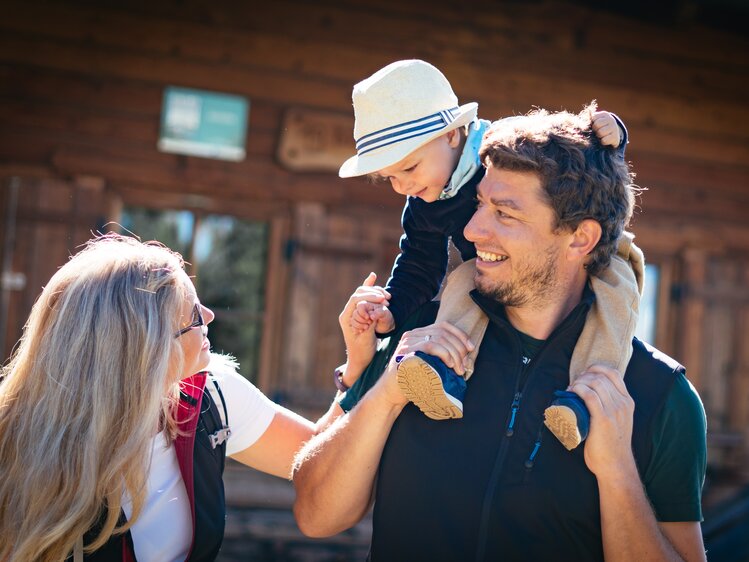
<point>360,320</point>
<point>368,313</point>
<point>371,308</point>
<point>606,128</point>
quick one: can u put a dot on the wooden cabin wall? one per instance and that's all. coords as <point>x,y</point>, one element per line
<point>81,86</point>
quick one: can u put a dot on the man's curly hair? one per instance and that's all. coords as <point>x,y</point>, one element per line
<point>582,179</point>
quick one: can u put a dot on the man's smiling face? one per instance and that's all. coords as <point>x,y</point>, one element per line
<point>517,246</point>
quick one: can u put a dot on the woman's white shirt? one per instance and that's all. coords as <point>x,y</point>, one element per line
<point>163,532</point>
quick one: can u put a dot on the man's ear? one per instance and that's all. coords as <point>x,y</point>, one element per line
<point>584,239</point>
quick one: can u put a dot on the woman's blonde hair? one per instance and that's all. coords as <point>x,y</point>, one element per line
<point>93,379</point>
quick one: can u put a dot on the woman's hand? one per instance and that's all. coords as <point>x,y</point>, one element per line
<point>360,339</point>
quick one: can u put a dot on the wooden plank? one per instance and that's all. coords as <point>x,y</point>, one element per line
<point>129,102</point>
<point>279,87</point>
<point>521,87</point>
<point>270,377</point>
<point>314,141</point>
<point>20,303</point>
<point>257,179</point>
<point>306,285</point>
<point>698,149</point>
<point>665,318</point>
<point>563,25</point>
<point>57,112</point>
<point>699,43</point>
<point>659,201</point>
<point>377,23</point>
<point>123,98</point>
<point>720,324</point>
<point>70,107</point>
<point>707,180</point>
<point>549,47</point>
<point>739,405</point>
<point>522,90</point>
<point>106,126</point>
<point>158,199</point>
<point>693,318</point>
<point>668,235</point>
<point>260,180</point>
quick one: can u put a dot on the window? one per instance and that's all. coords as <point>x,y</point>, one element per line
<point>227,260</point>
<point>646,323</point>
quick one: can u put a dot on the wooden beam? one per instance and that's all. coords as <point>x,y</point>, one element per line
<point>691,346</point>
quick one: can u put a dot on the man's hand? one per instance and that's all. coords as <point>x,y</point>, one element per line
<point>442,340</point>
<point>606,128</point>
<point>608,448</point>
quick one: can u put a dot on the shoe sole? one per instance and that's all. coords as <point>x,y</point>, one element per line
<point>562,422</point>
<point>422,386</point>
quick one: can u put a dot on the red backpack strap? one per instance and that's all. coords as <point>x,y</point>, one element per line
<point>128,554</point>
<point>188,412</point>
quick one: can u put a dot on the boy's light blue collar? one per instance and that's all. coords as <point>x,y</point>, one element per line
<point>469,161</point>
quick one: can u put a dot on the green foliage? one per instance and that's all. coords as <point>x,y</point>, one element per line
<point>227,257</point>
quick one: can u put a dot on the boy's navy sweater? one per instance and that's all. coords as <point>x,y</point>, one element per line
<point>422,263</point>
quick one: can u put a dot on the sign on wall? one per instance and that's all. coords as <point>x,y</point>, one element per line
<point>201,123</point>
<point>315,140</point>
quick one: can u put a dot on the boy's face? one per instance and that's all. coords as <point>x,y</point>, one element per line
<point>425,172</point>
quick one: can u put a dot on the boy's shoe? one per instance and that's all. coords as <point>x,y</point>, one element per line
<point>431,385</point>
<point>568,419</point>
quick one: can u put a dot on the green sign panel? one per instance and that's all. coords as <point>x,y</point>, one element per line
<point>200,123</point>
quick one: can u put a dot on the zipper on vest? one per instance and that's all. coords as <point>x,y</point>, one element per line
<point>513,414</point>
<point>520,380</point>
<point>536,446</point>
<point>520,384</point>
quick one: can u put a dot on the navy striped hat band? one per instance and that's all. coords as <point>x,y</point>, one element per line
<point>404,131</point>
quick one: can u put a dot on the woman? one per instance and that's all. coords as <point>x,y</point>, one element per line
<point>105,425</point>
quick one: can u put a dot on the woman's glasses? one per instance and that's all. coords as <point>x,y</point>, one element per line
<point>197,320</point>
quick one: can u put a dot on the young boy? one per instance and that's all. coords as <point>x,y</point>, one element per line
<point>410,131</point>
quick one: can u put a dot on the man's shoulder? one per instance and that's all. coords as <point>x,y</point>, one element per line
<point>650,376</point>
<point>645,354</point>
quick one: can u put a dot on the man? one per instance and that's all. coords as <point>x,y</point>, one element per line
<point>494,485</point>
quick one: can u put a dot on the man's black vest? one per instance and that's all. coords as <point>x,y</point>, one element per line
<point>487,487</point>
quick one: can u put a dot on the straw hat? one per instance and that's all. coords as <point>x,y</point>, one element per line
<point>398,109</point>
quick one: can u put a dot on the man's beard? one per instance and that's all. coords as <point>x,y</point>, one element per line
<point>533,283</point>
